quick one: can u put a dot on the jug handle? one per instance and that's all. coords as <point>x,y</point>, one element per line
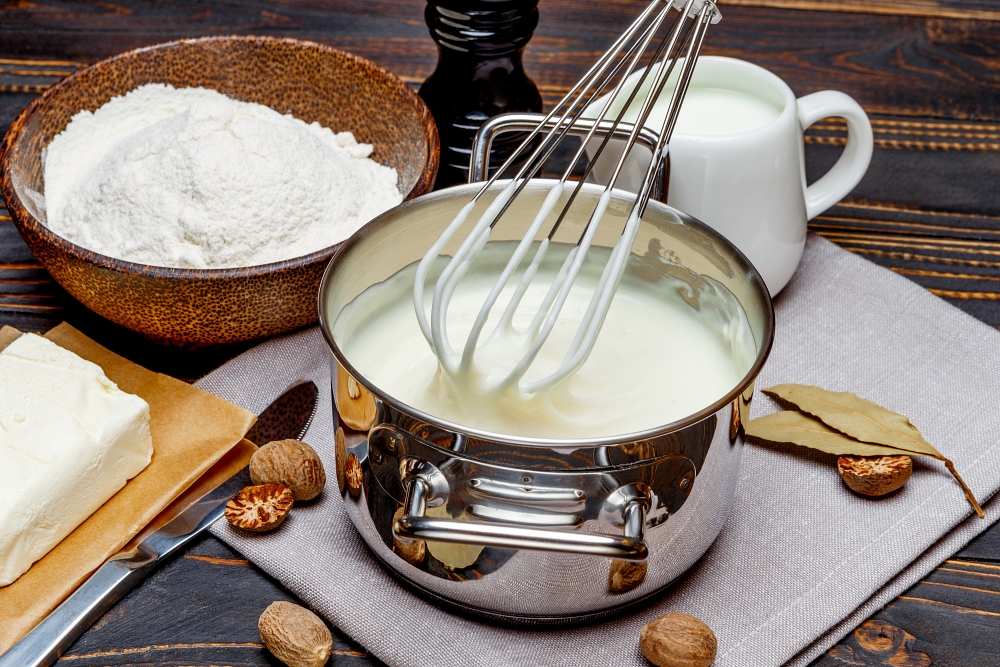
<point>415,525</point>
<point>853,163</point>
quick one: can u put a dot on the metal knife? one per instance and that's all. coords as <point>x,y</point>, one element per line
<point>288,416</point>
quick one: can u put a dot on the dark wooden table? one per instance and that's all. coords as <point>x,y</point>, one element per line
<point>928,73</point>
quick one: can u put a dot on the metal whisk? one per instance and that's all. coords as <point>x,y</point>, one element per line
<point>681,44</point>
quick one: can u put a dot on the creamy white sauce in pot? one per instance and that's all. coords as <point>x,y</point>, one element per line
<point>667,349</point>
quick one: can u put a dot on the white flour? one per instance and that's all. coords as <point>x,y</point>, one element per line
<point>190,178</point>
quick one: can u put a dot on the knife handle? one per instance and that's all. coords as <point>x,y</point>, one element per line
<point>49,639</point>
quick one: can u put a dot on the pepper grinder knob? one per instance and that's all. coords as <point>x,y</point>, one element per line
<point>479,75</point>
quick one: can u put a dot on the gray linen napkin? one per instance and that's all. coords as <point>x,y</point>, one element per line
<point>800,561</point>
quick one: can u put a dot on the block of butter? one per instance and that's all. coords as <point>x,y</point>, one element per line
<point>69,440</point>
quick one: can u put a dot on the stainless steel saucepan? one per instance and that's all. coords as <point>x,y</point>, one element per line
<point>533,530</point>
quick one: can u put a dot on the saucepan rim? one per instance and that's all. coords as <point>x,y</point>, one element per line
<point>395,214</point>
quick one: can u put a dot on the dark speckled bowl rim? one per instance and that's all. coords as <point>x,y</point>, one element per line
<point>23,217</point>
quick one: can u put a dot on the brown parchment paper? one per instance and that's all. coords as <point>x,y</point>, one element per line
<point>194,434</point>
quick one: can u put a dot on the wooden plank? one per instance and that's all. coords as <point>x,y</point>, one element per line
<point>184,614</point>
<point>13,251</point>
<point>972,10</point>
<point>12,102</point>
<point>893,64</point>
<point>33,322</point>
<point>951,618</point>
<point>920,632</point>
<point>35,72</point>
<point>897,65</point>
<point>986,547</point>
<point>926,260</point>
<point>913,179</point>
<point>36,62</point>
<point>898,134</point>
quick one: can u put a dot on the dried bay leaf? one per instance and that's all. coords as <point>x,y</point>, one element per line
<point>800,429</point>
<point>866,422</point>
<point>857,417</point>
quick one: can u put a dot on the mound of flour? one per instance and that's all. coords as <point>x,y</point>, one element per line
<point>190,178</point>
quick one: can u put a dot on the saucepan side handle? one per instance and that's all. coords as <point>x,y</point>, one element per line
<point>479,160</point>
<point>415,525</point>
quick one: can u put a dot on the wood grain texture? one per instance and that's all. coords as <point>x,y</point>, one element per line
<point>893,64</point>
<point>199,609</point>
<point>184,615</point>
<point>959,599</point>
<point>896,65</point>
<point>929,208</point>
<point>983,10</point>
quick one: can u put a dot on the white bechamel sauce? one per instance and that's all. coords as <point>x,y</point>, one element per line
<point>656,360</point>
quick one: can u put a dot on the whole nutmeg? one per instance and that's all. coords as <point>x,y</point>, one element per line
<point>678,640</point>
<point>292,463</point>
<point>295,635</point>
<point>355,404</point>
<point>353,474</point>
<point>412,552</point>
<point>875,475</point>
<point>624,575</point>
<point>259,508</point>
<point>340,445</point>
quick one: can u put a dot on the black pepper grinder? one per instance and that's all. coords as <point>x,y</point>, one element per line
<point>479,75</point>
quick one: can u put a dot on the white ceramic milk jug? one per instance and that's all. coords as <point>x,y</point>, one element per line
<point>737,159</point>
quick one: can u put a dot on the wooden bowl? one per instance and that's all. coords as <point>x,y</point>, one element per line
<point>199,307</point>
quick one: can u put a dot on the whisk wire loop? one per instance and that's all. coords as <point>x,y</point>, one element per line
<point>581,346</point>
<point>585,142</point>
<point>600,304</point>
<point>613,70</point>
<point>635,52</point>
<point>587,81</point>
<point>572,115</point>
<point>601,299</point>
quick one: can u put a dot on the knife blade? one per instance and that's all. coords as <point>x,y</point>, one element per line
<point>288,416</point>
